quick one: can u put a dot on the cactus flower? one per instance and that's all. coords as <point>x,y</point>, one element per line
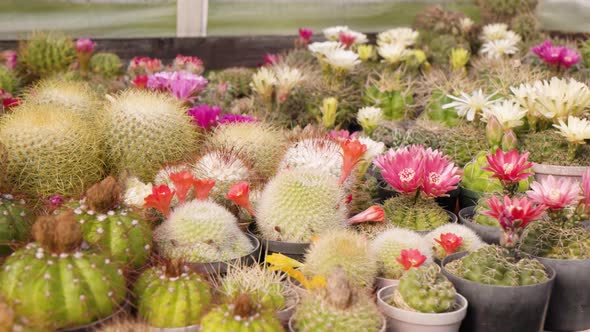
<point>329,108</point>
<point>271,59</point>
<point>160,199</point>
<point>305,36</point>
<point>440,175</point>
<point>280,262</point>
<point>239,193</point>
<point>352,152</point>
<point>205,116</point>
<point>183,182</point>
<point>569,57</point>
<point>203,188</point>
<point>411,258</point>
<point>402,168</point>
<point>369,118</point>
<point>459,58</point>
<point>140,81</point>
<point>8,101</point>
<point>346,39</point>
<point>509,140</point>
<point>508,167</point>
<point>142,65</point>
<point>341,135</point>
<point>556,55</point>
<point>374,213</point>
<point>235,118</point>
<point>586,186</point>
<point>449,242</point>
<point>191,64</point>
<point>555,193</point>
<point>365,52</point>
<point>10,58</point>
<point>494,132</point>
<point>85,45</point>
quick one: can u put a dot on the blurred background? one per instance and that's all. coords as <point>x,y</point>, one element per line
<point>158,18</point>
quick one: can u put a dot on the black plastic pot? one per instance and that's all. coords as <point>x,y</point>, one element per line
<point>489,234</point>
<point>222,267</point>
<point>502,308</point>
<point>289,249</point>
<point>468,197</point>
<point>570,302</point>
<point>449,202</point>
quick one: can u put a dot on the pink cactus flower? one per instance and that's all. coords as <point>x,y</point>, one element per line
<point>341,135</point>
<point>539,50</point>
<point>141,65</point>
<point>555,193</point>
<point>191,64</point>
<point>374,213</point>
<point>182,85</point>
<point>271,59</point>
<point>403,168</point>
<point>411,258</point>
<point>305,35</point>
<point>346,39</point>
<point>239,193</point>
<point>10,59</point>
<point>586,186</point>
<point>509,167</point>
<point>235,118</point>
<point>569,57</point>
<point>352,152</point>
<point>440,175</point>
<point>556,55</point>
<point>85,45</point>
<point>205,116</point>
<point>159,81</point>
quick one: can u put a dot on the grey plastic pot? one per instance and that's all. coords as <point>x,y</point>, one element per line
<point>292,327</point>
<point>570,301</point>
<point>385,282</point>
<point>449,202</point>
<point>285,315</point>
<point>468,197</point>
<point>192,328</point>
<point>400,320</point>
<point>489,234</point>
<point>94,325</point>
<point>543,170</point>
<point>222,267</point>
<point>502,308</point>
<point>289,249</point>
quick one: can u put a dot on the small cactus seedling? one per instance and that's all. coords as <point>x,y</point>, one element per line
<point>424,289</point>
<point>243,314</point>
<point>107,65</point>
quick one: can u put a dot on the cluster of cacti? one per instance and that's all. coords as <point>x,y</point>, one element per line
<point>494,265</point>
<point>424,289</point>
<point>242,314</point>
<point>15,222</point>
<point>298,204</point>
<point>501,9</point>
<point>548,147</point>
<point>424,215</point>
<point>237,80</point>
<point>46,53</point>
<point>106,65</point>
<point>9,80</point>
<point>264,286</point>
<point>387,247</point>
<point>545,238</point>
<point>394,98</point>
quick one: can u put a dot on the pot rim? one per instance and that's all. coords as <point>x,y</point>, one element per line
<point>252,231</point>
<point>174,329</point>
<point>581,169</point>
<point>469,213</point>
<point>577,260</point>
<point>295,295</point>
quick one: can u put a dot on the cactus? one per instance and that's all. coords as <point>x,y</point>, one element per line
<point>425,289</point>
<point>144,130</point>
<point>462,143</point>
<point>507,8</point>
<point>342,248</point>
<point>262,285</point>
<point>439,46</point>
<point>525,25</point>
<point>476,179</point>
<point>337,307</point>
<point>237,78</point>
<point>202,231</point>
<point>548,147</point>
<point>172,296</point>
<point>45,54</point>
<point>243,314</point>
<point>298,204</point>
<point>435,113</point>
<point>9,81</point>
<point>52,285</point>
<point>125,324</point>
<point>493,265</point>
<point>483,219</point>
<point>6,316</point>
<point>424,215</point>
<point>545,238</point>
<point>107,65</point>
<point>469,240</point>
<point>585,51</point>
<point>15,222</point>
<point>388,246</point>
<point>49,151</point>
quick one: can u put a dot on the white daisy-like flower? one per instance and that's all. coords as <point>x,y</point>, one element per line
<point>374,148</point>
<point>576,130</point>
<point>466,24</point>
<point>263,82</point>
<point>401,36</point>
<point>342,59</point>
<point>526,95</point>
<point>500,48</point>
<point>136,192</point>
<point>333,33</point>
<point>369,117</point>
<point>323,48</point>
<point>508,113</point>
<point>560,98</point>
<point>468,106</point>
<point>287,79</point>
<point>494,31</point>
<point>393,53</point>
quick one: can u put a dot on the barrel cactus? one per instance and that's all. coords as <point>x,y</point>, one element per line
<point>424,215</point>
<point>52,285</point>
<point>424,289</point>
<point>262,285</point>
<point>144,130</point>
<point>545,238</point>
<point>450,238</point>
<point>107,65</point>
<point>298,204</point>
<point>172,296</point>
<point>44,54</point>
<point>15,222</point>
<point>388,246</point>
<point>9,80</point>
<point>243,314</point>
<point>314,154</point>
<point>123,325</point>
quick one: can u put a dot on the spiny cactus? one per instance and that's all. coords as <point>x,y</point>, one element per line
<point>201,231</point>
<point>15,222</point>
<point>298,204</point>
<point>585,51</point>
<point>387,247</point>
<point>172,296</point>
<point>237,78</point>
<point>548,239</point>
<point>484,219</point>
<point>314,155</point>
<point>424,289</point>
<point>51,285</point>
<point>526,25</point>
<point>476,179</point>
<point>44,54</point>
<point>9,80</point>
<point>262,285</point>
<point>6,316</point>
<point>144,130</point>
<point>243,314</point>
<point>468,240</point>
<point>107,65</point>
<point>507,8</point>
<point>424,215</point>
<point>548,147</point>
<point>342,248</point>
<point>49,151</point>
<point>125,324</point>
<point>463,142</point>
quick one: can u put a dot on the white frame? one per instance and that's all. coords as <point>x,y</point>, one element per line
<point>191,18</point>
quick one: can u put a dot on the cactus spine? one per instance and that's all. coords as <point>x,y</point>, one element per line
<point>15,222</point>
<point>425,289</point>
<point>243,315</point>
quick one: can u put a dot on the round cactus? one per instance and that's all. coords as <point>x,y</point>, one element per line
<point>549,147</point>
<point>107,65</point>
<point>345,249</point>
<point>425,289</point>
<point>202,231</point>
<point>49,151</point>
<point>45,54</point>
<point>298,204</point>
<point>262,285</point>
<point>9,81</point>
<point>237,78</point>
<point>15,222</point>
<point>145,130</point>
<point>314,154</point>
<point>465,238</point>
<point>124,325</point>
<point>6,316</point>
<point>51,285</point>
<point>242,315</point>
<point>172,296</point>
<point>426,214</point>
<point>525,25</point>
<point>547,239</point>
<point>387,247</point>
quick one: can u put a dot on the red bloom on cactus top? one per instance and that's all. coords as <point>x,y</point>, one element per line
<point>160,199</point>
<point>85,45</point>
<point>509,166</point>
<point>140,81</point>
<point>192,64</point>
<point>183,182</point>
<point>239,193</point>
<point>586,186</point>
<point>374,213</point>
<point>555,193</point>
<point>513,213</point>
<point>346,39</point>
<point>203,188</point>
<point>411,258</point>
<point>271,59</point>
<point>449,242</point>
<point>305,35</point>
<point>352,151</point>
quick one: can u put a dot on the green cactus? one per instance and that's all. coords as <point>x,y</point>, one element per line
<point>243,314</point>
<point>548,147</point>
<point>6,316</point>
<point>545,238</point>
<point>462,143</point>
<point>526,25</point>
<point>237,78</point>
<point>44,54</point>
<point>470,241</point>
<point>107,65</point>
<point>50,151</point>
<point>585,51</point>
<point>15,222</point>
<point>437,114</point>
<point>9,80</point>
<point>262,285</point>
<point>172,296</point>
<point>298,204</point>
<point>424,215</point>
<point>387,247</point>
<point>51,285</point>
<point>438,47</point>
<point>202,231</point>
<point>483,219</point>
<point>476,179</point>
<point>144,130</point>
<point>392,103</point>
<point>424,289</point>
<point>508,8</point>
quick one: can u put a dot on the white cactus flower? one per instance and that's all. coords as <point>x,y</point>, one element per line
<point>369,117</point>
<point>575,131</point>
<point>333,33</point>
<point>400,36</point>
<point>468,106</point>
<point>342,59</point>
<point>508,113</point>
<point>393,53</point>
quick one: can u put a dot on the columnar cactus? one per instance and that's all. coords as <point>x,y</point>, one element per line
<point>243,314</point>
<point>425,289</point>
<point>424,215</point>
<point>45,54</point>
<point>262,285</point>
<point>15,222</point>
<point>388,246</point>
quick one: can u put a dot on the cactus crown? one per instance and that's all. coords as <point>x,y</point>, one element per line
<point>58,233</point>
<point>244,306</point>
<point>104,196</point>
<point>339,291</point>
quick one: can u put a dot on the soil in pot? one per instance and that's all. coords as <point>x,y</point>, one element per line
<point>269,247</point>
<point>488,234</point>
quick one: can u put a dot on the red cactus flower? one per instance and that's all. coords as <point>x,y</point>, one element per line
<point>374,213</point>
<point>203,188</point>
<point>239,193</point>
<point>449,242</point>
<point>271,59</point>
<point>353,150</point>
<point>411,258</point>
<point>140,81</point>
<point>509,167</point>
<point>305,35</point>
<point>346,39</point>
<point>183,182</point>
<point>160,199</point>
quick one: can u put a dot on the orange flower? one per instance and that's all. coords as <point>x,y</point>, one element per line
<point>353,150</point>
<point>374,213</point>
<point>183,182</point>
<point>203,188</point>
<point>160,199</point>
<point>449,242</point>
<point>411,258</point>
<point>239,194</point>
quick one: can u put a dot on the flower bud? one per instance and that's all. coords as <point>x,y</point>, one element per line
<point>509,140</point>
<point>494,132</point>
<point>329,109</point>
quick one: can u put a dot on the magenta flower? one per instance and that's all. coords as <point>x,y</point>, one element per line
<point>159,81</point>
<point>235,118</point>
<point>191,64</point>
<point>205,116</point>
<point>341,135</point>
<point>440,175</point>
<point>271,59</point>
<point>556,55</point>
<point>85,45</point>
<point>9,59</point>
<point>540,49</point>
<point>586,186</point>
<point>346,39</point>
<point>509,167</point>
<point>403,168</point>
<point>555,193</point>
<point>569,57</point>
<point>305,35</point>
<point>182,85</point>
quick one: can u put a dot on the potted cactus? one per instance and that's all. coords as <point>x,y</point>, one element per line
<point>451,238</point>
<point>424,300</point>
<point>241,314</point>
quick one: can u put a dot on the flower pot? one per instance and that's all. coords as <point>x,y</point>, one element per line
<point>502,308</point>
<point>400,320</point>
<point>289,249</point>
<point>469,197</point>
<point>292,301</point>
<point>95,325</point>
<point>192,328</point>
<point>292,326</point>
<point>573,172</point>
<point>489,234</point>
<point>385,282</point>
<point>222,267</point>
<point>568,307</point>
<point>449,202</point>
